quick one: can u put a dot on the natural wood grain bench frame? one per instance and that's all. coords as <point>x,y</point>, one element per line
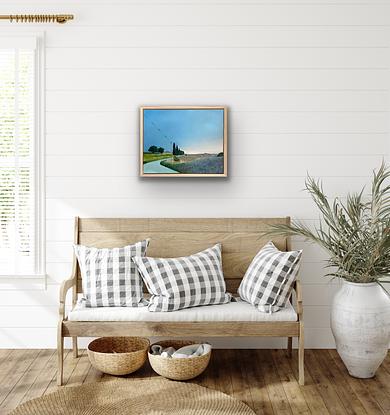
<point>241,239</point>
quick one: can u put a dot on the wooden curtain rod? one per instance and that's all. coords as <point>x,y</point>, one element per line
<point>37,18</point>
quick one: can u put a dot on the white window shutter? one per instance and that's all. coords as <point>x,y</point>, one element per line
<point>18,180</point>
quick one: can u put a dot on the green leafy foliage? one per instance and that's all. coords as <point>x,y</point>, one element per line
<point>153,149</point>
<point>355,232</point>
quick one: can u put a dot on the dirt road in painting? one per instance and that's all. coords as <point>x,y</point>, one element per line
<point>156,167</point>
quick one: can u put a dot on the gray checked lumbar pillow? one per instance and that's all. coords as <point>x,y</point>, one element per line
<point>109,276</point>
<point>267,283</point>
<point>176,283</point>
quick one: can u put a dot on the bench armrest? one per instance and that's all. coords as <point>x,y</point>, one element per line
<point>65,286</point>
<point>298,290</point>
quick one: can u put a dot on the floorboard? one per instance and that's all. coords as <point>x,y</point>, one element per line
<point>256,383</point>
<point>344,390</point>
<point>276,393</point>
<point>240,384</point>
<point>41,383</point>
<point>360,387</point>
<point>266,380</point>
<point>26,381</point>
<point>19,364</point>
<point>312,396</point>
<point>292,390</point>
<point>327,389</point>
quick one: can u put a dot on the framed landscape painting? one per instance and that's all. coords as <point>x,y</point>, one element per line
<point>183,141</point>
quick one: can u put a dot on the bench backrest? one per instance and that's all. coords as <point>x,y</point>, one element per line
<point>241,239</point>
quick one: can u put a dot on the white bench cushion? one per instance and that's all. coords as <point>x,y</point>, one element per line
<point>233,311</point>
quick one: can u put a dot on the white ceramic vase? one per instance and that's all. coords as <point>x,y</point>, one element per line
<point>360,322</point>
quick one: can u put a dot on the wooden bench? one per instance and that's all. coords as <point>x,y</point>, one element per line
<point>241,240</point>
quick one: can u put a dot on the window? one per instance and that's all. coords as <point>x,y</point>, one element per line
<point>21,185</point>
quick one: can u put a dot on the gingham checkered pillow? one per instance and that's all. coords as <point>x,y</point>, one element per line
<point>176,283</point>
<point>267,283</point>
<point>109,276</point>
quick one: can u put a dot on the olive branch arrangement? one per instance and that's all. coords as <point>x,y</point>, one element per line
<point>355,232</point>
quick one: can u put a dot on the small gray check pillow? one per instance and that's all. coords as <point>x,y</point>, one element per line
<point>109,276</point>
<point>267,283</point>
<point>176,283</point>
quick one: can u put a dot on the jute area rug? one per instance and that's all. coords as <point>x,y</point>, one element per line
<point>128,397</point>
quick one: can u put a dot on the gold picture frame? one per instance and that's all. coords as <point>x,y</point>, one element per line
<point>183,141</point>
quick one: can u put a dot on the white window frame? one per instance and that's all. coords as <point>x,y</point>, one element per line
<point>37,280</point>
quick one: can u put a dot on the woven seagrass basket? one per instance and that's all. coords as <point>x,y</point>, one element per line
<point>118,355</point>
<point>178,369</point>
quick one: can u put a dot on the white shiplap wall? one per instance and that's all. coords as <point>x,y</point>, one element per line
<point>307,84</point>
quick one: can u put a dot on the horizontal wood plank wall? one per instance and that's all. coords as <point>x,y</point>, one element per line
<point>307,86</point>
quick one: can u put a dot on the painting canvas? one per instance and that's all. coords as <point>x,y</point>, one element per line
<point>183,141</point>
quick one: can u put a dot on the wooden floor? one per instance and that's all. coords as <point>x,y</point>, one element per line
<point>264,379</point>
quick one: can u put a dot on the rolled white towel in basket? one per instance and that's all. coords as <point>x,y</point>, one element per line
<point>168,352</point>
<point>158,350</point>
<point>191,351</point>
<point>184,352</point>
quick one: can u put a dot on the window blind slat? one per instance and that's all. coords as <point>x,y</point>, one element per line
<point>17,193</point>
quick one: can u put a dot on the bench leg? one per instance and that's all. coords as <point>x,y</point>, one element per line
<point>60,355</point>
<point>301,355</point>
<point>74,347</point>
<point>289,346</point>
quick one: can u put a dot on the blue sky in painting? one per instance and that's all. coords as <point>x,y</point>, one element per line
<point>195,131</point>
